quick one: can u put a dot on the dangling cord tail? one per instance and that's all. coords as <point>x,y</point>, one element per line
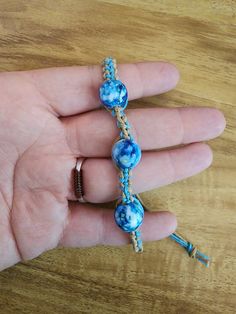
<point>192,250</point>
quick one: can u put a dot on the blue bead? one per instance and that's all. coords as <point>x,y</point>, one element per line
<point>126,153</point>
<point>113,93</point>
<point>129,216</point>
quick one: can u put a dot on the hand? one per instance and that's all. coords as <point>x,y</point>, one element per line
<point>49,117</point>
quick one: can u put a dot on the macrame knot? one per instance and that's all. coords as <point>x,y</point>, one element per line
<point>192,251</point>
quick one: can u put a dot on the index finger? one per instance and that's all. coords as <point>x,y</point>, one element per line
<point>73,90</point>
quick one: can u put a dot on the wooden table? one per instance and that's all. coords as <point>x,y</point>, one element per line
<point>199,37</point>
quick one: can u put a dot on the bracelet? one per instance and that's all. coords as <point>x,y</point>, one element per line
<point>126,154</point>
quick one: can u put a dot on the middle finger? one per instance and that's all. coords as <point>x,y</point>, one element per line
<point>100,177</point>
<point>92,134</point>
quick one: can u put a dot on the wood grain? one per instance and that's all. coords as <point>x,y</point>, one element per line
<point>199,37</point>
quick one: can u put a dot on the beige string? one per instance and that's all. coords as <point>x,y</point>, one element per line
<point>122,120</point>
<point>134,242</point>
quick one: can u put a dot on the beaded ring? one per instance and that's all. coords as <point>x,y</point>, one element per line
<point>126,154</point>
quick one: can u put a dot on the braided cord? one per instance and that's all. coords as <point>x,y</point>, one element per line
<point>110,73</point>
<point>111,77</point>
<point>110,69</point>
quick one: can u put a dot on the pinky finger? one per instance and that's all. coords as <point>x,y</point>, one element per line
<point>90,226</point>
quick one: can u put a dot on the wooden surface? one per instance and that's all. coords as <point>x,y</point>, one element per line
<point>199,37</point>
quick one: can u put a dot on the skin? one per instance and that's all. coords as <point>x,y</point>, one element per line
<point>50,117</point>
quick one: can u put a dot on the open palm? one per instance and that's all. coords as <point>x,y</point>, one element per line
<point>50,117</point>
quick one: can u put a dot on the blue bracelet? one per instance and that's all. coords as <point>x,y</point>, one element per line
<point>126,154</point>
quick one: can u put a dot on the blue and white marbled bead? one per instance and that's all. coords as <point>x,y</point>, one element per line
<point>126,153</point>
<point>129,216</point>
<point>113,93</point>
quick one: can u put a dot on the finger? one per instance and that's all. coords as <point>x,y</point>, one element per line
<point>72,90</point>
<point>93,134</point>
<point>89,226</point>
<point>100,177</point>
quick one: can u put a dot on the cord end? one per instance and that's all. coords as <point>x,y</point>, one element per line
<point>195,253</point>
<point>192,250</point>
